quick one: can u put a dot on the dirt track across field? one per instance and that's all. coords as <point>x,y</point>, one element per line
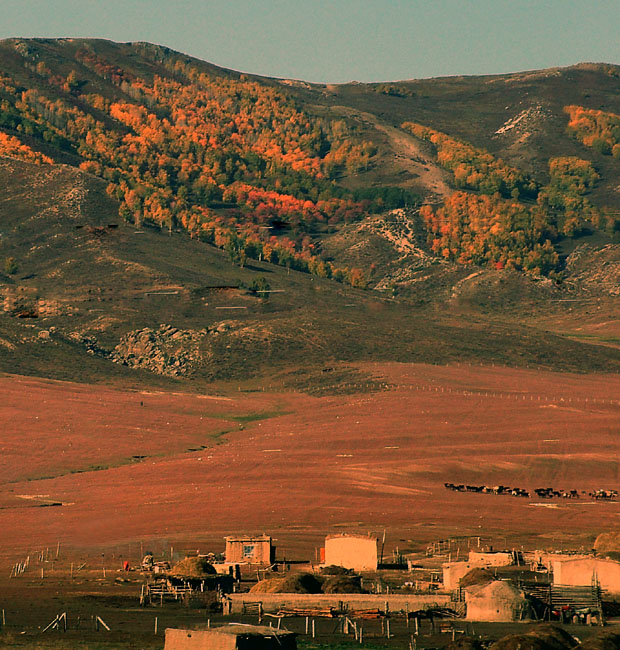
<point>128,467</point>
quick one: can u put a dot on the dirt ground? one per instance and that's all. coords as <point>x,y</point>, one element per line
<point>99,475</point>
<point>121,468</point>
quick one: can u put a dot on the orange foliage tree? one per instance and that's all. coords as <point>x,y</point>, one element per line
<point>597,129</point>
<point>474,168</point>
<point>491,231</point>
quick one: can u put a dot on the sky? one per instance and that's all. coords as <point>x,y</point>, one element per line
<point>342,40</point>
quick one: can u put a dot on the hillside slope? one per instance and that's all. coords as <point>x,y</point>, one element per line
<point>93,297</point>
<point>164,219</point>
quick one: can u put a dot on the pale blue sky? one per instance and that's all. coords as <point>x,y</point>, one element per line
<point>342,40</point>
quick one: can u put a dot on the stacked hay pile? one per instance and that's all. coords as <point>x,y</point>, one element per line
<point>476,576</point>
<point>334,570</point>
<point>297,583</point>
<point>543,637</point>
<point>604,641</point>
<point>193,567</point>
<point>608,545</point>
<point>309,583</point>
<point>343,584</point>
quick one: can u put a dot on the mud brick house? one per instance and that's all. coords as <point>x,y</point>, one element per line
<point>491,558</point>
<point>453,572</point>
<point>250,550</point>
<point>586,571</point>
<point>358,552</point>
<point>498,601</point>
<point>235,636</point>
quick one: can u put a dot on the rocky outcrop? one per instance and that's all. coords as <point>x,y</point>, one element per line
<point>594,269</point>
<point>165,351</point>
<point>89,342</point>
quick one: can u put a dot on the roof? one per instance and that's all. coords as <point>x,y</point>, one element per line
<point>351,536</point>
<point>587,559</point>
<point>475,552</point>
<point>248,538</point>
<point>498,589</point>
<point>241,629</point>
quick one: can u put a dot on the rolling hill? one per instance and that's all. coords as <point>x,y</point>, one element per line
<point>164,220</point>
<point>296,308</point>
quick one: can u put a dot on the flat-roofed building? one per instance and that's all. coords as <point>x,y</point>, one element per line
<point>586,572</point>
<point>358,552</point>
<point>258,549</point>
<point>235,636</point>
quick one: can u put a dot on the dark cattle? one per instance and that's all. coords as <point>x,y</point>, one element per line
<point>541,493</point>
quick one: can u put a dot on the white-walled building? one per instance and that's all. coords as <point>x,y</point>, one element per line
<point>358,552</point>
<point>582,572</point>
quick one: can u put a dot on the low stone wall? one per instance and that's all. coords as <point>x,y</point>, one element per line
<point>395,602</point>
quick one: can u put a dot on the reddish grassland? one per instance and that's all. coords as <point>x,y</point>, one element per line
<point>311,465</point>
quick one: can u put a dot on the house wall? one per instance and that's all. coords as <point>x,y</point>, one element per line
<point>580,573</point>
<point>352,552</point>
<point>497,602</point>
<point>177,639</point>
<point>501,558</point>
<point>395,602</point>
<point>481,609</point>
<point>547,559</point>
<point>198,640</point>
<point>453,572</point>
<point>249,549</point>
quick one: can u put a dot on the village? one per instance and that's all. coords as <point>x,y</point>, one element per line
<point>353,578</point>
<point>459,592</point>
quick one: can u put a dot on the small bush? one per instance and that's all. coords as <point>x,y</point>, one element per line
<point>10,266</point>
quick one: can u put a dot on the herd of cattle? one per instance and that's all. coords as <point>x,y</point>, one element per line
<point>541,493</point>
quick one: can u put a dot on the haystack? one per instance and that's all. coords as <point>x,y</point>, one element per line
<point>476,576</point>
<point>497,601</point>
<point>607,542</point>
<point>543,637</point>
<point>333,570</point>
<point>297,583</point>
<point>604,641</point>
<point>343,584</point>
<point>193,567</point>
